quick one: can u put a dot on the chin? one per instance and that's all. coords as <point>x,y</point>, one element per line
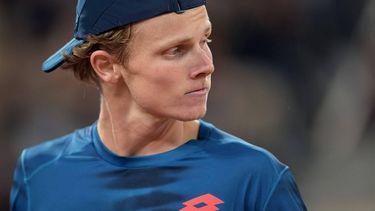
<point>183,113</point>
<point>190,115</point>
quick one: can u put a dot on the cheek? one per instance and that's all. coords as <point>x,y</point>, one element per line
<point>154,88</point>
<point>159,75</point>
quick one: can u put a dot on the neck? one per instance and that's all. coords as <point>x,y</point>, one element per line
<point>127,131</point>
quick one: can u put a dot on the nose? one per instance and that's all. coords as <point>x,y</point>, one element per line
<point>203,63</point>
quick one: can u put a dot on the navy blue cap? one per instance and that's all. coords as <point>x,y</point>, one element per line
<point>94,17</point>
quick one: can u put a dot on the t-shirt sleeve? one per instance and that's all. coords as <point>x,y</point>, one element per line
<point>18,195</point>
<point>285,195</point>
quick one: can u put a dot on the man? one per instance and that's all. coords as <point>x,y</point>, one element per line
<point>148,150</point>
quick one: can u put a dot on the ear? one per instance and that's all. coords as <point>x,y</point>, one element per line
<point>105,66</point>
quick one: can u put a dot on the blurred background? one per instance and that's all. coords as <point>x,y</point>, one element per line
<point>296,77</point>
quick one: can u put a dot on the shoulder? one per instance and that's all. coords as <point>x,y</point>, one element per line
<point>43,154</point>
<point>243,153</point>
<point>265,181</point>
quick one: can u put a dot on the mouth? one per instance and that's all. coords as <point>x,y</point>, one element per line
<point>200,91</point>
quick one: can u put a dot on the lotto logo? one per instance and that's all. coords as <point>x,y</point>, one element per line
<point>205,202</point>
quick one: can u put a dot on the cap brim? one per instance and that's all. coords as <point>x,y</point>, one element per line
<point>57,58</point>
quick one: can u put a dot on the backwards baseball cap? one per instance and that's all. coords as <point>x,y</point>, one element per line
<point>94,17</point>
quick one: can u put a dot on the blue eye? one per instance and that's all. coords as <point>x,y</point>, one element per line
<point>175,52</point>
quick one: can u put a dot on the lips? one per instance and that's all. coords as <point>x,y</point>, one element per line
<point>198,91</point>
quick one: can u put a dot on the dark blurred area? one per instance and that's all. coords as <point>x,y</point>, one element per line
<point>296,77</point>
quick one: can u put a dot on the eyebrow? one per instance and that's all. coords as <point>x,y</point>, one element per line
<point>188,38</point>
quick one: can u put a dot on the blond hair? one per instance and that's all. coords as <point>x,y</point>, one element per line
<point>115,42</point>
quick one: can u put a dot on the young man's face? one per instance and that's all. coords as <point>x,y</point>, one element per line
<point>168,73</point>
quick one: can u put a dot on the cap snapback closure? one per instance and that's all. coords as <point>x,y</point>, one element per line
<point>175,4</point>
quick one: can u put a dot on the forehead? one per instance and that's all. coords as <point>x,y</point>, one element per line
<point>172,25</point>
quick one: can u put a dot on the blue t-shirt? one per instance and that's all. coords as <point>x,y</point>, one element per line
<point>217,171</point>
